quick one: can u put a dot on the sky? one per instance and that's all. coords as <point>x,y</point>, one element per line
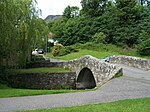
<point>55,7</point>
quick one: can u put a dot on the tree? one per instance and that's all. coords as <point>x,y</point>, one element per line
<point>144,44</point>
<point>56,27</point>
<point>99,37</point>
<point>127,10</point>
<point>70,12</point>
<point>143,2</point>
<point>121,21</point>
<point>93,7</point>
<point>78,30</point>
<point>19,28</point>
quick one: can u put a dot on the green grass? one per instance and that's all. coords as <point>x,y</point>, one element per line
<point>2,86</point>
<point>40,70</point>
<point>130,105</point>
<point>6,91</point>
<point>83,52</point>
<point>98,50</point>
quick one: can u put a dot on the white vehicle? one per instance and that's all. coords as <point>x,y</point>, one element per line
<point>35,52</point>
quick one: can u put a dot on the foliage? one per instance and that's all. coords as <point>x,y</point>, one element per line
<point>56,27</point>
<point>70,12</point>
<point>98,50</point>
<point>121,22</point>
<point>21,31</point>
<point>130,105</point>
<point>67,50</point>
<point>93,7</point>
<point>60,50</point>
<point>56,49</point>
<point>99,37</point>
<point>144,2</point>
<point>144,44</point>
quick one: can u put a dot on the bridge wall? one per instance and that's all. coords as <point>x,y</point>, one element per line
<point>102,71</point>
<point>132,61</point>
<point>43,80</point>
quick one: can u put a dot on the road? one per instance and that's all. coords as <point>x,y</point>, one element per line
<point>134,84</point>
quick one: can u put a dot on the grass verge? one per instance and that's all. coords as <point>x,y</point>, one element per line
<point>130,105</point>
<point>83,52</point>
<point>98,50</point>
<point>41,70</point>
<point>10,92</point>
<point>6,91</point>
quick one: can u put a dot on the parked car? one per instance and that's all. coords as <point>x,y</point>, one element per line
<point>40,51</point>
<point>35,52</point>
<point>106,59</point>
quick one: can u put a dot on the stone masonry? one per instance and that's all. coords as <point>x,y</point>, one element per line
<point>102,71</point>
<point>132,61</point>
<point>91,67</point>
<point>43,80</point>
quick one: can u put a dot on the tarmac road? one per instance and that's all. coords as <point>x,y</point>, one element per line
<point>134,84</point>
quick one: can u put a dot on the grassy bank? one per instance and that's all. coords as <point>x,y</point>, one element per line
<point>41,70</point>
<point>6,92</point>
<point>82,52</point>
<point>97,50</point>
<point>130,105</point>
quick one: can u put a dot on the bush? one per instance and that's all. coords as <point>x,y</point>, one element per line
<point>56,49</point>
<point>144,48</point>
<point>60,50</point>
<point>67,50</point>
<point>99,37</point>
<point>144,44</point>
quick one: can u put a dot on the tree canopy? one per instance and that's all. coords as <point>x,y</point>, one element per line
<point>21,30</point>
<point>70,12</point>
<point>121,22</point>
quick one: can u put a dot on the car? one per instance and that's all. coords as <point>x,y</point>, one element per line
<point>35,52</point>
<point>106,59</point>
<point>40,51</point>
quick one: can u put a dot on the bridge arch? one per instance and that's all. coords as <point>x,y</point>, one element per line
<point>85,79</point>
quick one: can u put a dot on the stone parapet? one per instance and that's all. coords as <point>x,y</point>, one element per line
<point>102,71</point>
<point>132,61</point>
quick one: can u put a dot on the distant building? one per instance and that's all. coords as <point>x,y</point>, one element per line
<point>51,41</point>
<point>52,17</point>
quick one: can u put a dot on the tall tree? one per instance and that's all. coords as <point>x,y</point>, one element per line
<point>143,2</point>
<point>70,12</point>
<point>93,7</point>
<point>18,27</point>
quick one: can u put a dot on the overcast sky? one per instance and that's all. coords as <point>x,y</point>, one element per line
<point>55,7</point>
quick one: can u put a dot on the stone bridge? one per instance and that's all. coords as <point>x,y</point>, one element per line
<point>90,71</point>
<point>140,63</point>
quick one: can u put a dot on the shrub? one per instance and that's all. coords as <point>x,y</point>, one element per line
<point>67,50</point>
<point>99,37</point>
<point>144,48</point>
<point>144,44</point>
<point>56,49</point>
